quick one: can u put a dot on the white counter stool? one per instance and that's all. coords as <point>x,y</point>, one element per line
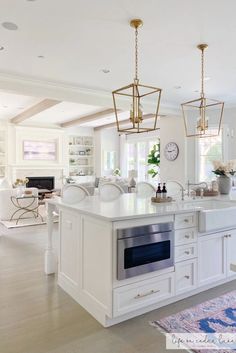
<point>74,193</point>
<point>145,189</point>
<point>110,191</point>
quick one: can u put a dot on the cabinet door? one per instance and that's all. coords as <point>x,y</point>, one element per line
<point>69,247</point>
<point>231,251</point>
<point>212,258</point>
<point>186,276</point>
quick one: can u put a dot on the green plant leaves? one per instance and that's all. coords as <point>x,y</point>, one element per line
<point>154,160</point>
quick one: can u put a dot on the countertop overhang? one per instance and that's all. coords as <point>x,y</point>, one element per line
<point>131,206</point>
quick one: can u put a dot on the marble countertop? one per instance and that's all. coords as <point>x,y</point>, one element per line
<point>130,206</point>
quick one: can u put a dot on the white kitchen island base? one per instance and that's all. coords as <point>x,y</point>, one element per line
<point>87,259</point>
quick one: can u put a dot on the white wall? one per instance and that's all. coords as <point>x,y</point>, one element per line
<point>172,130</point>
<point>18,167</point>
<point>105,140</point>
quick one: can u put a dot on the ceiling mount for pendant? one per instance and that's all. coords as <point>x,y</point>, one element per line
<point>202,116</point>
<point>134,97</point>
<point>136,23</point>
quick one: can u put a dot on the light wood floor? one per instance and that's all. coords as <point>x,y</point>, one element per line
<point>36,316</point>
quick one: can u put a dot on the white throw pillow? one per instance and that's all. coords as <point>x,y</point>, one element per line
<point>4,184</point>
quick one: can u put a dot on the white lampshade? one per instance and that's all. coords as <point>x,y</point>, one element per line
<point>133,173</point>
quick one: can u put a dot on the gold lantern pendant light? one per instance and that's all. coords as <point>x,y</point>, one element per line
<point>132,96</point>
<point>202,116</point>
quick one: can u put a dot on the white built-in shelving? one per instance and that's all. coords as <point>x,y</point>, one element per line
<point>81,155</point>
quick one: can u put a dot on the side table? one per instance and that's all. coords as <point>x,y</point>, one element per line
<point>22,210</point>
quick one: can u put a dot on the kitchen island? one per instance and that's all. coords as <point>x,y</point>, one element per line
<point>103,269</point>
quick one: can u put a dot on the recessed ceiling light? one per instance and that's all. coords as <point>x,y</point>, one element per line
<point>177,87</point>
<point>10,26</point>
<point>5,106</point>
<point>41,56</point>
<point>106,71</point>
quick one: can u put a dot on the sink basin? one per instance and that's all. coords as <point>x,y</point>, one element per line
<point>216,215</point>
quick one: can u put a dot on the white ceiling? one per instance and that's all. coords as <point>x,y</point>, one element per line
<point>14,104</point>
<point>79,38</point>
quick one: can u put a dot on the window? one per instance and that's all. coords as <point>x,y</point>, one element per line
<point>209,149</point>
<point>137,156</point>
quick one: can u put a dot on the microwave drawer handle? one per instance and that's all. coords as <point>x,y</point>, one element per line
<point>138,296</point>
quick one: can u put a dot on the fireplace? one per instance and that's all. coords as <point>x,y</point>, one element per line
<point>41,182</point>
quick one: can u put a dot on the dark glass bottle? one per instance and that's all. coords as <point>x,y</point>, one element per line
<point>158,192</point>
<point>164,191</point>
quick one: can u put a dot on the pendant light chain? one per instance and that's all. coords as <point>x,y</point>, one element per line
<point>136,53</point>
<point>202,64</point>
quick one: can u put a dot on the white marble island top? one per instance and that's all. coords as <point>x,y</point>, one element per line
<point>130,206</point>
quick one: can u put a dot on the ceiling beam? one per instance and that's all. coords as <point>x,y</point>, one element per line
<point>87,118</point>
<point>35,109</point>
<point>122,122</point>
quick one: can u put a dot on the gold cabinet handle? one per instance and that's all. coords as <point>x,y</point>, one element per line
<point>138,296</point>
<point>229,235</point>
<point>186,220</point>
<point>187,252</point>
<point>187,277</point>
<point>187,236</point>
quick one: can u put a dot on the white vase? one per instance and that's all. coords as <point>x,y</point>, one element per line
<point>20,190</point>
<point>224,184</point>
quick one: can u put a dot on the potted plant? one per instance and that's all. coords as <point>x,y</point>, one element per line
<point>224,171</point>
<point>154,160</point>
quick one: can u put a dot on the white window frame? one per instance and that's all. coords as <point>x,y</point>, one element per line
<point>135,138</point>
<point>224,129</point>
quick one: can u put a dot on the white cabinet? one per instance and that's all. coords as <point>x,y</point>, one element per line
<point>69,247</point>
<point>143,293</point>
<point>231,250</point>
<point>185,236</point>
<point>185,252</point>
<point>185,220</point>
<point>186,276</point>
<point>212,258</point>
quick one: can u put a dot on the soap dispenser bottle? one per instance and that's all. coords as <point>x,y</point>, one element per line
<point>164,191</point>
<point>158,192</point>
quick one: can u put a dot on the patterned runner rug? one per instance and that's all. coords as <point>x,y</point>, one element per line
<point>212,317</point>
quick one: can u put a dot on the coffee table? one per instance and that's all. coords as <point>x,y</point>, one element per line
<point>23,209</point>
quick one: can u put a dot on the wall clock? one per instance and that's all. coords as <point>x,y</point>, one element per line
<point>171,151</point>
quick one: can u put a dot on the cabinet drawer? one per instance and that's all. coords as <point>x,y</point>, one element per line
<point>185,252</point>
<point>185,220</point>
<point>186,276</point>
<point>185,236</point>
<point>138,295</point>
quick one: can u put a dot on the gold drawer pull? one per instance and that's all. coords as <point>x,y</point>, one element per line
<point>187,277</point>
<point>138,296</point>
<point>187,252</point>
<point>186,220</point>
<point>187,236</point>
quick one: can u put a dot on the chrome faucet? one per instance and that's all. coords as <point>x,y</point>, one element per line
<point>196,184</point>
<point>181,186</point>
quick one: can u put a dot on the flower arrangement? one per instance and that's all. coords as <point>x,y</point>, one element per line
<point>224,169</point>
<point>20,182</point>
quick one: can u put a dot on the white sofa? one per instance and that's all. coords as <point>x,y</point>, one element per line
<point>7,207</point>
